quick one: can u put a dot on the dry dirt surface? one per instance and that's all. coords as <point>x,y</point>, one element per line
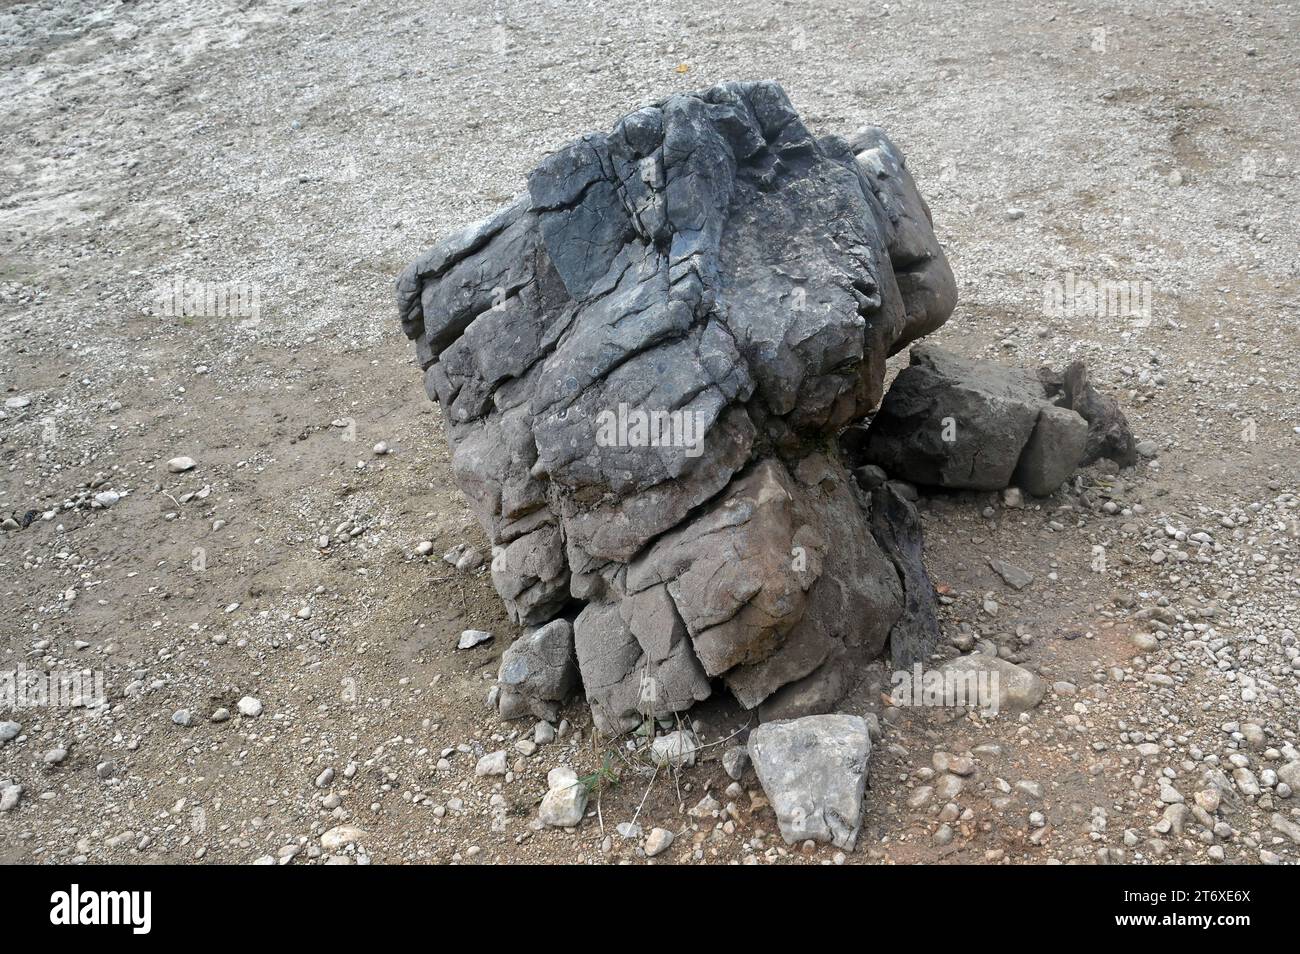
<point>290,157</point>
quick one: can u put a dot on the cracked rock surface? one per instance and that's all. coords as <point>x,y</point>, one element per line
<point>814,770</point>
<point>643,362</point>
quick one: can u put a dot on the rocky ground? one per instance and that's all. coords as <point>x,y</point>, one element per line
<point>276,626</point>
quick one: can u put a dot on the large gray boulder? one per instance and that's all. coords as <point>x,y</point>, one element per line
<point>642,363</point>
<point>814,771</point>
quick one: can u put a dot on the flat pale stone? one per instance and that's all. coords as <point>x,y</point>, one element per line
<point>813,771</point>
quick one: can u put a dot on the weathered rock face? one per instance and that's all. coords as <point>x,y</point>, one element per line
<point>897,527</point>
<point>537,672</point>
<point>643,362</point>
<point>949,421</point>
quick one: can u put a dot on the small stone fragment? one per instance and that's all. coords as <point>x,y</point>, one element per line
<point>676,749</point>
<point>494,763</point>
<point>657,842</point>
<point>471,638</point>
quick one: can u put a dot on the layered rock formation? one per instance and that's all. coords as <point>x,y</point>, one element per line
<point>643,362</point>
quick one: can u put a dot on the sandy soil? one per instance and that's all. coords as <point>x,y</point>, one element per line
<point>303,152</point>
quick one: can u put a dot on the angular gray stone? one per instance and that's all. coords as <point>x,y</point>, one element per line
<point>1286,826</point>
<point>950,421</point>
<point>1014,576</point>
<point>1109,434</point>
<point>472,637</point>
<point>538,672</point>
<point>494,763</point>
<point>675,749</point>
<point>869,477</point>
<point>813,771</point>
<point>1053,452</point>
<point>565,801</point>
<point>341,836</point>
<point>658,841</point>
<point>734,762</point>
<point>9,797</point>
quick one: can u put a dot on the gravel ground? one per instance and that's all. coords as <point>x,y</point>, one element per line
<point>296,155</point>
